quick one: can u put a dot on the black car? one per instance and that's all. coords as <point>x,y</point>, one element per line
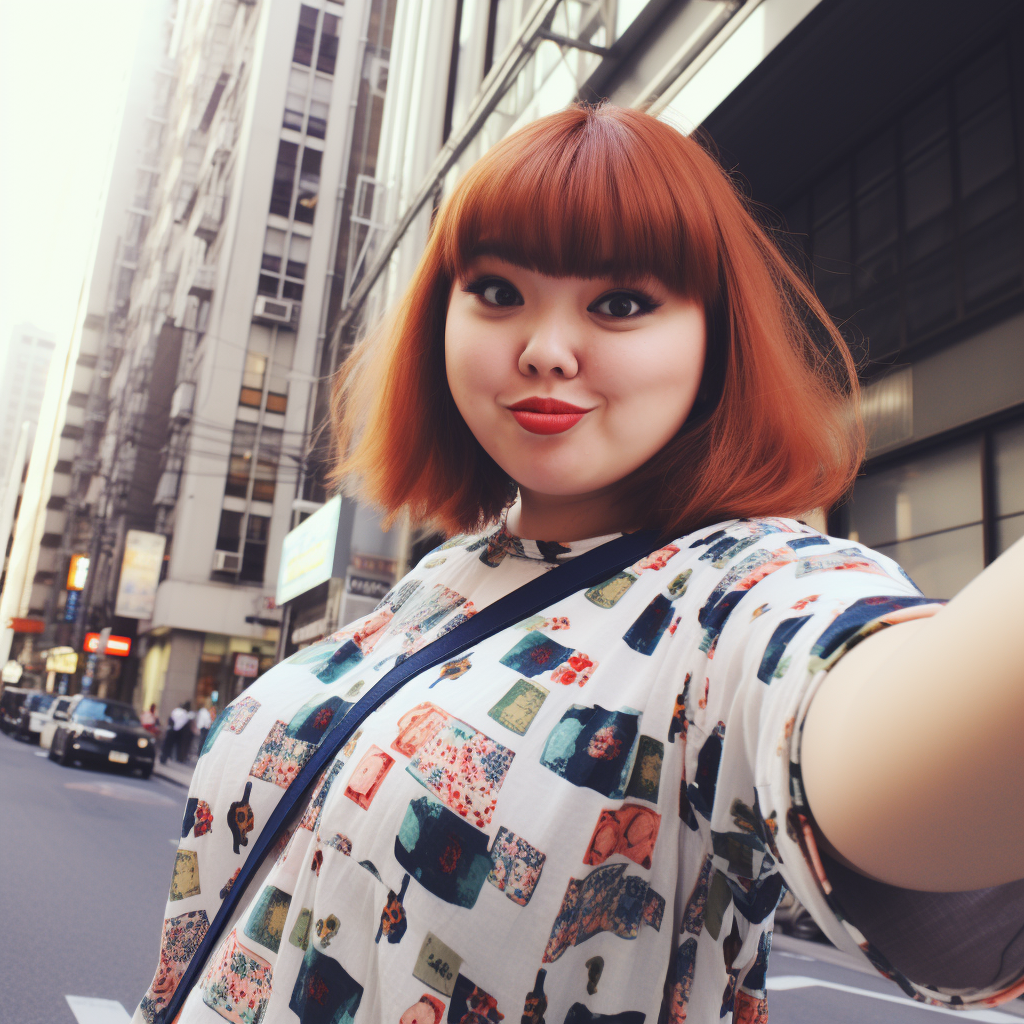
<point>10,706</point>
<point>101,730</point>
<point>33,716</point>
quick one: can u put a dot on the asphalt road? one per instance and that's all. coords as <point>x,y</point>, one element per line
<point>85,862</point>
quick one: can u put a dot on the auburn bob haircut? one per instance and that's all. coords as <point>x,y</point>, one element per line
<point>775,430</point>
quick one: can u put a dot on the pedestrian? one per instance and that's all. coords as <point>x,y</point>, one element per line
<point>150,720</point>
<point>184,731</point>
<point>602,351</point>
<point>179,724</point>
<point>203,722</point>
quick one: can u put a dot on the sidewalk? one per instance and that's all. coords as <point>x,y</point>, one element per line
<point>173,771</point>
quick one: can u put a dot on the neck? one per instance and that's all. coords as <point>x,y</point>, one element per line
<point>564,517</point>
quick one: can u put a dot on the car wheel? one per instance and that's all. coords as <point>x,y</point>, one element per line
<point>52,752</point>
<point>65,750</point>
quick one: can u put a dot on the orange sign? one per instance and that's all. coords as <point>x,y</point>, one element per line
<point>78,570</point>
<point>118,645</point>
<point>27,625</point>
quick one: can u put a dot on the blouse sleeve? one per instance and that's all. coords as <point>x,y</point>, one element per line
<point>806,601</point>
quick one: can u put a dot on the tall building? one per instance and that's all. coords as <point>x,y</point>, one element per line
<point>882,145</point>
<point>21,387</point>
<point>208,400</point>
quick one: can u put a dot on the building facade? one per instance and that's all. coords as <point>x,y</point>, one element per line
<point>880,145</point>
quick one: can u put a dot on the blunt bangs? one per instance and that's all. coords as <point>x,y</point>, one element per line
<point>599,196</point>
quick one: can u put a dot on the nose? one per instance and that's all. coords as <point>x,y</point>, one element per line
<point>552,348</point>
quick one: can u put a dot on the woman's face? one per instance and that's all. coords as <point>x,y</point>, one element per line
<point>570,384</point>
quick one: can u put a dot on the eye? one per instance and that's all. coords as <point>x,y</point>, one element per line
<point>623,305</point>
<point>495,291</point>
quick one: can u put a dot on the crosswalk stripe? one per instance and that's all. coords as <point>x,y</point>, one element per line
<point>792,981</point>
<point>89,1010</point>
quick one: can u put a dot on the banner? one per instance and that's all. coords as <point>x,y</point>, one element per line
<point>308,553</point>
<point>140,574</point>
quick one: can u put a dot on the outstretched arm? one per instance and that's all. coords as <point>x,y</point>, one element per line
<point>912,752</point>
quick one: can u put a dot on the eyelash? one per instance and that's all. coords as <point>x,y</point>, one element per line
<point>645,302</point>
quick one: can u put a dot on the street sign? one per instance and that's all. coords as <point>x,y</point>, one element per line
<point>366,586</point>
<point>247,665</point>
<point>27,625</point>
<point>117,645</point>
<point>78,570</point>
<point>62,659</point>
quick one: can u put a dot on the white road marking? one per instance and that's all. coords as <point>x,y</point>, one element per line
<point>122,791</point>
<point>42,753</point>
<point>786,982</point>
<point>795,956</point>
<point>173,842</point>
<point>89,1010</point>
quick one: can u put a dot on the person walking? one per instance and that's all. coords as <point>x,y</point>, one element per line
<point>179,726</point>
<point>203,722</point>
<point>150,720</point>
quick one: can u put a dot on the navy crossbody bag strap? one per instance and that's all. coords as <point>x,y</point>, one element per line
<point>586,570</point>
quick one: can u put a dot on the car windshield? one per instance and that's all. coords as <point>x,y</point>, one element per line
<point>40,701</point>
<point>93,710</point>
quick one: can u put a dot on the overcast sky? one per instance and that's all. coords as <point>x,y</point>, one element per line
<point>63,74</point>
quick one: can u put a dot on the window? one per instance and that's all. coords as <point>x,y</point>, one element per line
<point>254,555</point>
<point>298,256</point>
<point>284,178</point>
<point>1008,490</point>
<point>252,380</point>
<point>920,227</point>
<point>266,464</point>
<point>240,462</point>
<point>295,100</point>
<point>328,52</point>
<point>309,185</point>
<point>277,387</point>
<point>318,107</point>
<point>273,255</point>
<point>303,53</point>
<point>229,533</point>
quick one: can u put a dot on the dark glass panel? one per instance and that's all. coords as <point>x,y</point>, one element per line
<point>992,260</point>
<point>831,194</point>
<point>328,52</point>
<point>988,181</point>
<point>928,201</point>
<point>284,178</point>
<point>267,285</point>
<point>981,82</point>
<point>271,263</point>
<point>304,36</point>
<point>880,322</point>
<point>831,248</point>
<point>229,533</point>
<point>876,161</point>
<point>876,234</point>
<point>925,124</point>
<point>931,294</point>
<point>293,290</point>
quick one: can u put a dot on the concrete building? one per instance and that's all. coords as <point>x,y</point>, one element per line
<point>210,401</point>
<point>884,140</point>
<point>21,387</point>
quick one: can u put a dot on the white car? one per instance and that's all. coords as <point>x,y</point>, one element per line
<point>55,714</point>
<point>33,715</point>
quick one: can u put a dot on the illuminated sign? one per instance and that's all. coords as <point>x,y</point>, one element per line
<point>78,570</point>
<point>61,659</point>
<point>309,554</point>
<point>118,645</point>
<point>247,665</point>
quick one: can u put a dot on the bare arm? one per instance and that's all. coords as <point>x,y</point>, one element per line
<point>913,748</point>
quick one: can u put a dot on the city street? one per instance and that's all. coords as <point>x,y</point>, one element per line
<point>86,858</point>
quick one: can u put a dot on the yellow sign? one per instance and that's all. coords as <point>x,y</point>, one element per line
<point>78,570</point>
<point>61,659</point>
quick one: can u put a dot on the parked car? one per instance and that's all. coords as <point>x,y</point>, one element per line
<point>54,715</point>
<point>33,716</point>
<point>100,730</point>
<point>10,706</point>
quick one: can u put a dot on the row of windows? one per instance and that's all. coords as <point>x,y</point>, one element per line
<point>922,226</point>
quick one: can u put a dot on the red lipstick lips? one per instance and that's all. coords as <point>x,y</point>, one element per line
<point>546,415</point>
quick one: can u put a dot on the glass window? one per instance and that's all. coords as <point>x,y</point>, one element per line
<point>831,246</point>
<point>1008,465</point>
<point>935,492</point>
<point>928,202</point>
<point>318,107</point>
<point>295,99</point>
<point>304,36</point>
<point>229,533</point>
<point>941,564</point>
<point>309,185</point>
<point>273,250</point>
<point>266,464</point>
<point>328,52</point>
<point>298,256</point>
<point>254,554</point>
<point>92,710</point>
<point>284,178</point>
<point>240,462</point>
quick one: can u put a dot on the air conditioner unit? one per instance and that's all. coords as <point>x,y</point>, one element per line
<point>226,561</point>
<point>182,399</point>
<point>279,311</point>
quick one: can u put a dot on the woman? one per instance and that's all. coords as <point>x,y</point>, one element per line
<point>591,815</point>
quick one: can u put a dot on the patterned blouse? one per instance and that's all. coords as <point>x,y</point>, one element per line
<point>591,812</point>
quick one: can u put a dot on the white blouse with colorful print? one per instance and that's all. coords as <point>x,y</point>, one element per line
<point>592,811</point>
